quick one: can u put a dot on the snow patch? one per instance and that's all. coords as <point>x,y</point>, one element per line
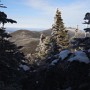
<point>37,82</point>
<point>54,62</point>
<point>69,88</point>
<point>23,60</point>
<point>80,56</point>
<point>89,50</point>
<point>63,54</point>
<point>25,67</point>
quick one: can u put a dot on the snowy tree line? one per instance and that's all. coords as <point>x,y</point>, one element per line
<point>58,64</point>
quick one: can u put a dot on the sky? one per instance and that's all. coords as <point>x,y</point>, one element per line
<point>40,13</point>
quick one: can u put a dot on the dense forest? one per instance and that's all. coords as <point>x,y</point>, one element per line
<point>59,62</point>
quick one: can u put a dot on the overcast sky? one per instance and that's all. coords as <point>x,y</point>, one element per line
<point>40,13</point>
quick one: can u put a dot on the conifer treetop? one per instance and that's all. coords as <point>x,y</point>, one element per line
<point>58,12</point>
<point>59,34</point>
<point>58,21</point>
<point>2,6</point>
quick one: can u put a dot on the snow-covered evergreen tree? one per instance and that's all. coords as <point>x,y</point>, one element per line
<point>11,59</point>
<point>83,43</point>
<point>58,40</point>
<point>59,34</point>
<point>45,47</point>
<point>87,17</point>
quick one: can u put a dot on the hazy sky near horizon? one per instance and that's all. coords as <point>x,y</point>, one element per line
<point>40,13</point>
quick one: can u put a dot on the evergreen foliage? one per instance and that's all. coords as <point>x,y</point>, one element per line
<point>83,43</point>
<point>58,40</point>
<point>59,34</point>
<point>10,58</point>
<point>45,47</point>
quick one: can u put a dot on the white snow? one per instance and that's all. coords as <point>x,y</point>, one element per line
<point>37,82</point>
<point>25,67</point>
<point>69,88</point>
<point>80,56</point>
<point>63,54</point>
<point>6,38</point>
<point>23,60</point>
<point>89,50</point>
<point>54,62</point>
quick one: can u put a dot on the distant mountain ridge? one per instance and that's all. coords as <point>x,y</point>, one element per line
<point>30,39</point>
<point>8,29</point>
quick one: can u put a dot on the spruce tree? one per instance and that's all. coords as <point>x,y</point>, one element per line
<point>45,47</point>
<point>87,17</point>
<point>83,43</point>
<point>59,34</point>
<point>48,46</point>
<point>10,57</point>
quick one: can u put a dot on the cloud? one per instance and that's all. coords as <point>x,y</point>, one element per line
<point>39,4</point>
<point>43,6</point>
<point>72,13</point>
<point>30,22</point>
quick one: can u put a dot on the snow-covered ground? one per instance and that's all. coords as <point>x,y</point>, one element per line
<point>80,56</point>
<point>67,55</point>
<point>24,67</point>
